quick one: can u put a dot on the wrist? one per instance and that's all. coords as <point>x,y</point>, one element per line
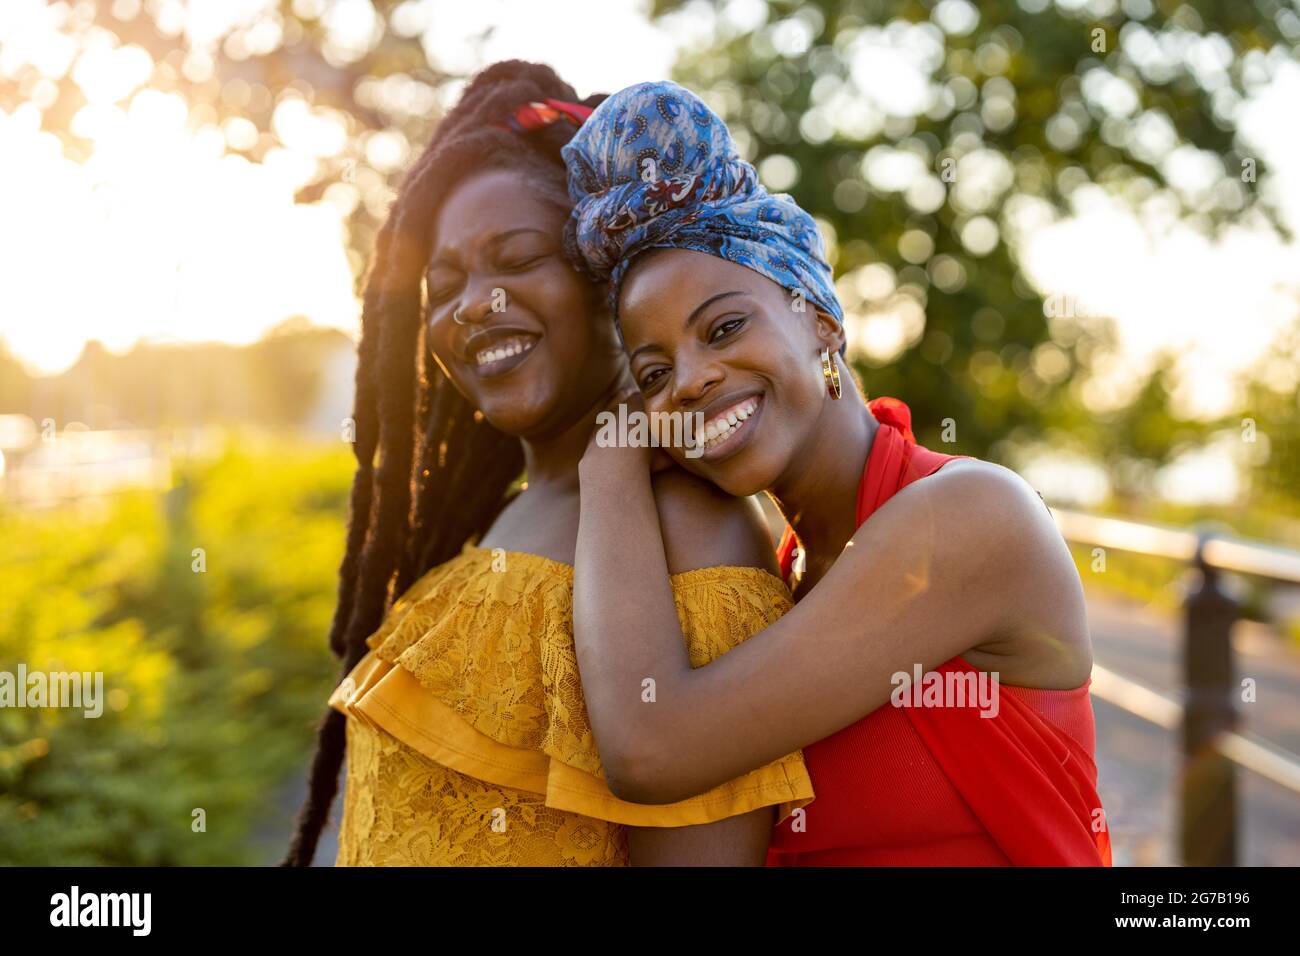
<point>610,467</point>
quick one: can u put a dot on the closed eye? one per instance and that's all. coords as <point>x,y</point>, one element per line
<point>519,265</point>
<point>441,294</point>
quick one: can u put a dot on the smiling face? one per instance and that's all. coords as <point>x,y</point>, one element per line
<point>534,349</point>
<point>708,335</point>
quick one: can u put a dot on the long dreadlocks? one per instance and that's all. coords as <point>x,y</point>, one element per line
<point>431,471</point>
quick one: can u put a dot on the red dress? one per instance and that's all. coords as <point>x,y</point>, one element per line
<point>945,786</point>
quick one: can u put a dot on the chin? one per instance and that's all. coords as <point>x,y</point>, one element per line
<point>735,479</point>
<point>743,486</point>
<point>521,406</point>
<point>757,474</point>
<point>516,417</point>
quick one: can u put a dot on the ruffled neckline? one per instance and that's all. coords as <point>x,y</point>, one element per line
<point>474,667</point>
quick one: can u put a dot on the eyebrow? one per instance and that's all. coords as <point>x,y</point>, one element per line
<point>690,319</point>
<point>699,309</point>
<point>495,241</point>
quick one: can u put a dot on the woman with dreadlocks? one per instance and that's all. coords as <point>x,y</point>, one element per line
<point>461,710</point>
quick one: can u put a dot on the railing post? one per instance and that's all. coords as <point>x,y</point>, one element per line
<point>1209,797</point>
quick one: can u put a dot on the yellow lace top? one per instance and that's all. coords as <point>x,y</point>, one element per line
<point>468,739</point>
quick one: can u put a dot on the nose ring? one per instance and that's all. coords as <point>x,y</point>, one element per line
<point>455,317</point>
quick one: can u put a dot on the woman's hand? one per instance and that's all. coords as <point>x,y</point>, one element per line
<point>608,451</point>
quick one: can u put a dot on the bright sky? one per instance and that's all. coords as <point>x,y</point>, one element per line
<point>1168,286</point>
<point>162,235</point>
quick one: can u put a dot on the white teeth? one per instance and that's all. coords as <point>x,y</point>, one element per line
<point>511,347</point>
<point>735,414</point>
<point>722,426</point>
<point>722,434</point>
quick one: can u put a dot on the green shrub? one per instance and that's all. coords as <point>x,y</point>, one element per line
<point>212,680</point>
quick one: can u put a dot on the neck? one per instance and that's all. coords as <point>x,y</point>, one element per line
<point>818,494</point>
<point>551,461</point>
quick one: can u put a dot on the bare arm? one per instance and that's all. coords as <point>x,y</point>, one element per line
<point>702,527</point>
<point>968,557</point>
<point>735,841</point>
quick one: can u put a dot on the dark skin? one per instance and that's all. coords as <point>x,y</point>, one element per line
<point>494,232</point>
<point>967,562</point>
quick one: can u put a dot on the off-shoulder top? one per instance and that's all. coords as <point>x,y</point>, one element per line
<point>468,738</point>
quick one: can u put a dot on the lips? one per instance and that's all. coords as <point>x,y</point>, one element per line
<point>511,346</point>
<point>497,350</point>
<point>726,421</point>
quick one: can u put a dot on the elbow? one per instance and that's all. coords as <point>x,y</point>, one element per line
<point>643,773</point>
<point>632,786</point>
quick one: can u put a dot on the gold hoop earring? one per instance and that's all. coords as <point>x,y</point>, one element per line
<point>831,373</point>
<point>455,317</point>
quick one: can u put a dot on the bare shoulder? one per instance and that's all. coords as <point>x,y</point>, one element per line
<point>979,504</point>
<point>705,527</point>
<point>990,486</point>
<point>993,523</point>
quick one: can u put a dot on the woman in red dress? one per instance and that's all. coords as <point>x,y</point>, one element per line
<point>935,667</point>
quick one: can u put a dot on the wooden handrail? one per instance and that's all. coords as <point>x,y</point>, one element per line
<point>1207,718</point>
<point>1221,551</point>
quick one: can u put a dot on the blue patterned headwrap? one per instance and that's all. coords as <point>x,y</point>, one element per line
<point>654,167</point>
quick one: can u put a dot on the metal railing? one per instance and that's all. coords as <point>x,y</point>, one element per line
<point>1207,717</point>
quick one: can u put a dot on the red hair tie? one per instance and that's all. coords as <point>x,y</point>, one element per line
<point>535,115</point>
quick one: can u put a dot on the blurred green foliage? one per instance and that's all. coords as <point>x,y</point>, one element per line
<point>1017,109</point>
<point>1025,106</point>
<point>213,681</point>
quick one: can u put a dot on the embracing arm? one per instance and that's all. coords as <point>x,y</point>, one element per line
<point>950,563</point>
<point>701,528</point>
